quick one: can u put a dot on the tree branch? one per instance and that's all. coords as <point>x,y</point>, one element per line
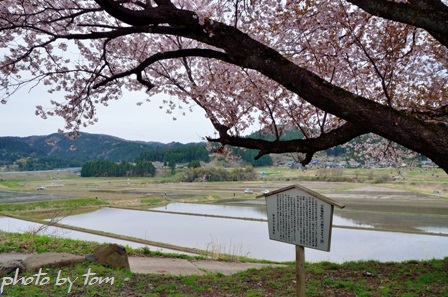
<point>430,15</point>
<point>196,52</point>
<point>369,116</point>
<point>308,146</point>
<point>362,114</point>
<point>165,13</point>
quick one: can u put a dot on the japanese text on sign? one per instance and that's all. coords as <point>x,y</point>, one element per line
<point>301,219</point>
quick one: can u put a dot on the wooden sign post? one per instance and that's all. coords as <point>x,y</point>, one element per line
<point>300,271</point>
<point>302,217</point>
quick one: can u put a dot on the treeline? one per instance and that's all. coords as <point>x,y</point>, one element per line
<point>214,174</point>
<point>106,168</point>
<point>193,173</point>
<point>45,163</point>
<point>181,153</point>
<point>187,153</point>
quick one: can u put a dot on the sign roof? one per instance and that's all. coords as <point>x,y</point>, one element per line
<point>308,191</point>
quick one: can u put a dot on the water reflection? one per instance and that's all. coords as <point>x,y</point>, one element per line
<point>250,238</point>
<point>19,226</point>
<point>397,221</point>
<point>256,211</point>
<point>434,229</point>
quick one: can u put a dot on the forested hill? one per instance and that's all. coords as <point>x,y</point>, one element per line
<point>57,151</point>
<point>86,147</point>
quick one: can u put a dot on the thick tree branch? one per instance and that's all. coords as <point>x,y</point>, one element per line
<point>238,48</point>
<point>308,146</point>
<point>423,137</point>
<point>427,138</point>
<point>163,14</point>
<point>430,15</point>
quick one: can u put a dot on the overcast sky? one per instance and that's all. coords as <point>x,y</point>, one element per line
<point>122,118</point>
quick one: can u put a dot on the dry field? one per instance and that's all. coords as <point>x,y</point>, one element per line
<point>136,191</point>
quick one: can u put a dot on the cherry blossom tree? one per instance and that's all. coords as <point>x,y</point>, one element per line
<point>333,69</point>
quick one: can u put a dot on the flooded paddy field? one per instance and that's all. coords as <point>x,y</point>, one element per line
<point>238,236</point>
<point>378,222</point>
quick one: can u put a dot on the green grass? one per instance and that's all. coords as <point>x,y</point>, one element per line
<point>32,243</point>
<point>413,278</point>
<point>153,201</point>
<point>67,204</point>
<point>28,243</point>
<point>11,184</point>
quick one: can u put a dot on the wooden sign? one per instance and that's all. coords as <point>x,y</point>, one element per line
<point>299,216</point>
<point>302,217</point>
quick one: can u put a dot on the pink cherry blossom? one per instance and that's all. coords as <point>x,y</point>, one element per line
<point>335,70</point>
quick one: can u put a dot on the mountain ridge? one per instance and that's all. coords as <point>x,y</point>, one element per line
<point>84,148</point>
